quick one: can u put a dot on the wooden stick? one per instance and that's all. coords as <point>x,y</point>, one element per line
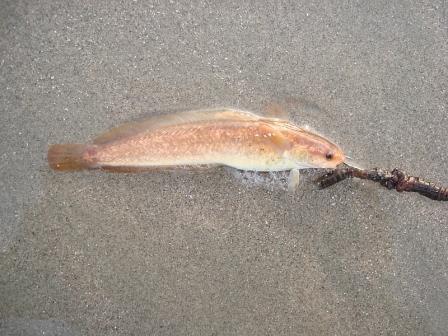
<point>395,179</point>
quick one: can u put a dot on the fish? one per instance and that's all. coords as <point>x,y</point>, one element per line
<point>201,139</point>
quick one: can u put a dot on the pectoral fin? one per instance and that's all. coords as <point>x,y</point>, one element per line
<point>270,135</point>
<point>280,142</point>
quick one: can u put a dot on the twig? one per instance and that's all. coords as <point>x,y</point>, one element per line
<point>395,179</point>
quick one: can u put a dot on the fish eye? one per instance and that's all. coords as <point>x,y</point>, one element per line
<point>329,156</point>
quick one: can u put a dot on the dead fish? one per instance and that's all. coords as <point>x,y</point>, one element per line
<point>201,139</point>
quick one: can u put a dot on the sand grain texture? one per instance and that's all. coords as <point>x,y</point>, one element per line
<point>193,254</point>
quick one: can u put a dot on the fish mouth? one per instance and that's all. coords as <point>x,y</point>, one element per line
<point>349,162</point>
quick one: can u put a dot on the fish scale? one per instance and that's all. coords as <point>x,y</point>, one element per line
<point>216,137</point>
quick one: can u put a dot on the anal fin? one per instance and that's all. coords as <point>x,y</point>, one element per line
<point>155,169</point>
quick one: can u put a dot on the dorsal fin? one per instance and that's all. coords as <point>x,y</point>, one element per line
<point>161,121</point>
<point>292,107</point>
<point>275,110</point>
<point>311,131</point>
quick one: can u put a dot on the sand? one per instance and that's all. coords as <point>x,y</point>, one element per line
<point>204,254</point>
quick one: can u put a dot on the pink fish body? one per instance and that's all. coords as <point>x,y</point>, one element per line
<point>204,138</point>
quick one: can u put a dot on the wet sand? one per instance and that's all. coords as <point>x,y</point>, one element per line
<point>205,254</point>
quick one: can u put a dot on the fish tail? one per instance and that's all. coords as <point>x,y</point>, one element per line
<point>65,157</point>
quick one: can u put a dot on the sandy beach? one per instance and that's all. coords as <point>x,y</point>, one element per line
<point>94,253</point>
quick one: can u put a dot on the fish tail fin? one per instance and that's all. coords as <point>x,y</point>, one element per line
<point>66,157</point>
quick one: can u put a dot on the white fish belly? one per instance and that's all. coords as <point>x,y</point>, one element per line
<point>238,161</point>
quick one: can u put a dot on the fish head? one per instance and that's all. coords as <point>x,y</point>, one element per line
<point>311,150</point>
